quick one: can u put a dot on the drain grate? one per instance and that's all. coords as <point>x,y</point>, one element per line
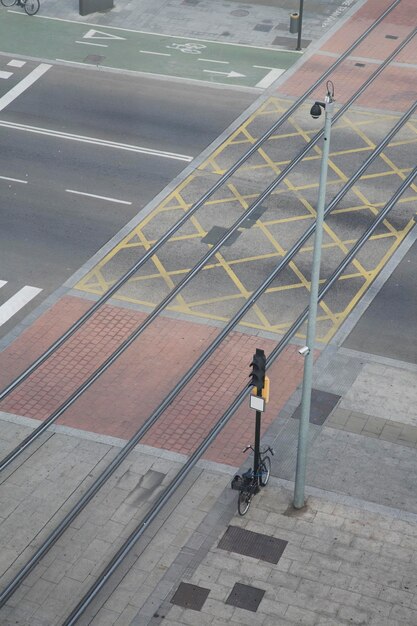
<point>216,233</point>
<point>252,544</point>
<point>94,58</point>
<point>322,404</point>
<point>245,597</point>
<point>360,64</point>
<point>391,37</point>
<point>190,596</point>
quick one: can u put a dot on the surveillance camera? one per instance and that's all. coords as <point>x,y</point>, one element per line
<point>304,350</point>
<point>315,110</point>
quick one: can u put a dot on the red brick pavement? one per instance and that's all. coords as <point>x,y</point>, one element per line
<point>395,88</point>
<point>124,396</point>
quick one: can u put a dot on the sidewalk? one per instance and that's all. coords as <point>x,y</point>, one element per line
<point>257,23</point>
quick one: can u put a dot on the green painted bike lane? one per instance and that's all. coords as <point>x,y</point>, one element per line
<point>84,43</point>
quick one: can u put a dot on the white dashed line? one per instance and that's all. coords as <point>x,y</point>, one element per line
<point>213,61</point>
<point>92,195</point>
<point>5,74</point>
<point>88,43</point>
<point>14,180</point>
<point>160,54</point>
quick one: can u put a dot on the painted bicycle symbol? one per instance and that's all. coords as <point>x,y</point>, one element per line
<point>188,48</point>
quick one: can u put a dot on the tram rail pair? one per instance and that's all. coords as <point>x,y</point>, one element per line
<point>152,419</point>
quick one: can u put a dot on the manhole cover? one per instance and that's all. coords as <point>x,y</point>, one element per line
<point>245,597</point>
<point>252,544</point>
<point>239,13</point>
<point>322,404</point>
<point>190,596</point>
<point>94,58</point>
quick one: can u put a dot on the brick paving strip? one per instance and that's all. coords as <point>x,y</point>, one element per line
<point>119,402</point>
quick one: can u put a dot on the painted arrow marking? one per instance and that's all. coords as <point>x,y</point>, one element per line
<point>228,74</point>
<point>98,34</point>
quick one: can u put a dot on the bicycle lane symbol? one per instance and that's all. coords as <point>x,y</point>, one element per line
<point>187,48</point>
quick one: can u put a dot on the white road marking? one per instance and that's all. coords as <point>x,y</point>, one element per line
<point>99,34</point>
<point>14,180</point>
<point>269,78</point>
<point>90,43</point>
<point>161,54</point>
<point>16,63</point>
<point>2,283</point>
<point>17,302</point>
<point>92,195</point>
<point>24,84</point>
<point>95,141</point>
<point>5,74</point>
<point>230,74</point>
<point>213,61</point>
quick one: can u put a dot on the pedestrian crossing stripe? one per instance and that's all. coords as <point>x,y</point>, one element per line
<point>17,301</point>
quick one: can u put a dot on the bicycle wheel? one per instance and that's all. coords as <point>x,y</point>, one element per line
<point>243,502</point>
<point>32,6</point>
<point>8,3</point>
<point>265,471</point>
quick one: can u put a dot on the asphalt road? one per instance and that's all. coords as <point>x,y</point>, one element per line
<point>388,326</point>
<point>77,131</point>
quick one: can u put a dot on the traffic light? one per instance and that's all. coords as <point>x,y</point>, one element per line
<point>257,374</point>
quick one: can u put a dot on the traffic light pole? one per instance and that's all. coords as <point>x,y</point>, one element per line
<point>300,474</point>
<point>257,440</point>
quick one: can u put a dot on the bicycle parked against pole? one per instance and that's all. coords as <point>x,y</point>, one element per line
<point>31,6</point>
<point>251,481</point>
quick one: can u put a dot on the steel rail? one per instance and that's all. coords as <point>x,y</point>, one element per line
<point>191,274</point>
<point>130,542</point>
<point>125,451</point>
<point>121,281</point>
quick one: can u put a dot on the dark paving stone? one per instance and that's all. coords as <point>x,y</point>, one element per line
<point>252,544</point>
<point>245,597</point>
<point>216,233</point>
<point>190,596</point>
<point>322,404</point>
<point>265,28</point>
<point>290,41</point>
<point>256,215</point>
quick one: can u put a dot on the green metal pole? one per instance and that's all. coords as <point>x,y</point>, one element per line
<point>312,316</point>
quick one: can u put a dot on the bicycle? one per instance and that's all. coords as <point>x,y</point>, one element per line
<point>31,6</point>
<point>250,482</point>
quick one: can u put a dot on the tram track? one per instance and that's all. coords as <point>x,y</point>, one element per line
<point>183,283</point>
<point>86,601</point>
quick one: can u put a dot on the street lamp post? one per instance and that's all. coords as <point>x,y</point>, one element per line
<point>300,24</point>
<point>308,350</point>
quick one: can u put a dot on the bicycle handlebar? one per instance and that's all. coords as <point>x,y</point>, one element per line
<point>268,449</point>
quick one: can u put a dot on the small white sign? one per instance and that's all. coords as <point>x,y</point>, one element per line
<point>257,403</point>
